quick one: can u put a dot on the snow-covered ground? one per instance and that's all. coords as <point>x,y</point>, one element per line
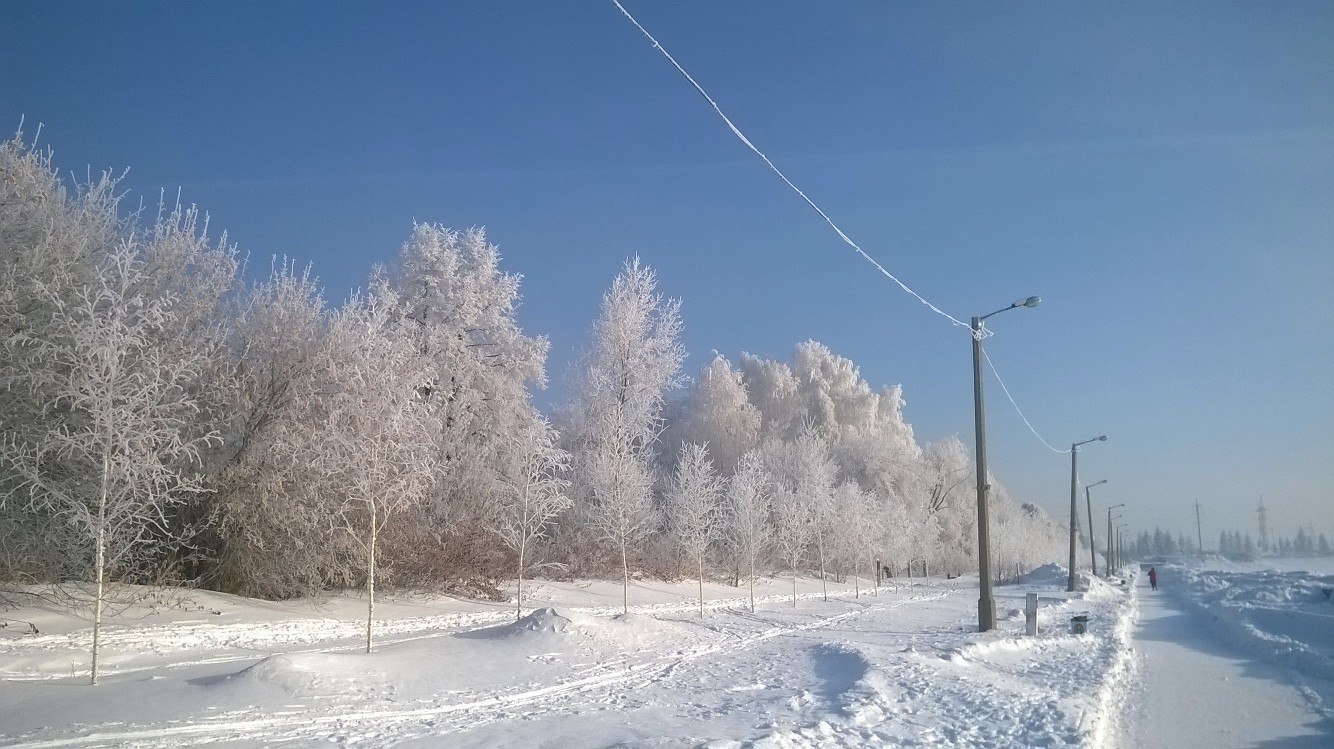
<point>901,668</point>
<point>1236,654</point>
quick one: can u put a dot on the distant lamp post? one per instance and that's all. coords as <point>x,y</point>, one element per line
<point>1113,559</point>
<point>1074,503</point>
<point>986,601</point>
<point>1121,541</point>
<point>1088,503</point>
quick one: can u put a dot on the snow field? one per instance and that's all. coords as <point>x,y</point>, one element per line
<point>902,668</point>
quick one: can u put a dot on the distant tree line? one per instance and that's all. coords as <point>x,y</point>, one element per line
<point>1231,544</point>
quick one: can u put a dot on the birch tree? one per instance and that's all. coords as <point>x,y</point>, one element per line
<point>616,419</point>
<point>115,450</point>
<point>747,527</point>
<point>533,491</point>
<point>792,528</point>
<point>812,475</point>
<point>692,501</point>
<point>856,528</point>
<point>376,433</point>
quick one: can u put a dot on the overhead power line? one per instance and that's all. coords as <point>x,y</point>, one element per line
<point>981,333</point>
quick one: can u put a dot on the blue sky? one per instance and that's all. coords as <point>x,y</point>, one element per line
<point>1161,174</point>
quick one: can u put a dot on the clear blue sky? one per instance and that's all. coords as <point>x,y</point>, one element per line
<point>1161,174</point>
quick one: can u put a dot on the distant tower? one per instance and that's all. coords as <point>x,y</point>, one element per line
<point>1264,525</point>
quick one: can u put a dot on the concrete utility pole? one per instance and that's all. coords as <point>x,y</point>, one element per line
<point>986,600</point>
<point>1074,504</point>
<point>1264,526</point>
<point>1113,553</point>
<point>1093,546</point>
<point>1199,534</point>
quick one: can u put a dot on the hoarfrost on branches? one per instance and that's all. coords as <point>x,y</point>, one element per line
<point>692,502</point>
<point>533,491</point>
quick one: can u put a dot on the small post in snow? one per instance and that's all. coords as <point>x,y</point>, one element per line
<point>1031,614</point>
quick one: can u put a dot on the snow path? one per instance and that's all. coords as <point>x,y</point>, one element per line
<point>1199,691</point>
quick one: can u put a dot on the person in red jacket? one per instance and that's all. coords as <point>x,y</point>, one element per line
<point>1153,578</point>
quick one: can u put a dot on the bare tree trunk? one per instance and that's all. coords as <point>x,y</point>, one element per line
<point>856,583</point>
<point>625,578</point>
<point>752,585</point>
<point>518,599</point>
<point>824,590</point>
<point>370,579</point>
<point>794,583</point>
<point>100,563</point>
<point>701,587</point>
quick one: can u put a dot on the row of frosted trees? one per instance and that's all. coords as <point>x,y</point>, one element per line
<point>165,419</point>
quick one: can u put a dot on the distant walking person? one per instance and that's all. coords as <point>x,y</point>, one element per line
<point>1153,578</point>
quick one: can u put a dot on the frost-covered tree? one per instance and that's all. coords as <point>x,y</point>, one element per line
<point>717,412</point>
<point>791,528</point>
<point>47,237</point>
<point>746,528</point>
<point>620,483</point>
<point>58,247</point>
<point>533,491</point>
<point>616,418</point>
<point>834,397</point>
<point>856,529</point>
<point>117,447</point>
<point>275,536</point>
<point>458,309</point>
<point>773,389</point>
<point>812,474</point>
<point>693,511</point>
<point>377,430</point>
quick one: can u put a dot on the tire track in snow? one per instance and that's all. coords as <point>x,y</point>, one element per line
<point>480,711</point>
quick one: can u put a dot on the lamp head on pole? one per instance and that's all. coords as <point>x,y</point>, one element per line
<point>1032,301</point>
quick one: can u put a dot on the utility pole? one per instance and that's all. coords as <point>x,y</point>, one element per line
<point>986,600</point>
<point>1264,526</point>
<point>1074,504</point>
<point>1199,535</point>
<point>1093,544</point>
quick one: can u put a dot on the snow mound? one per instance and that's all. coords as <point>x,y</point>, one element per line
<point>540,620</point>
<point>302,674</point>
<point>544,620</point>
<point>1048,574</point>
<point>281,670</point>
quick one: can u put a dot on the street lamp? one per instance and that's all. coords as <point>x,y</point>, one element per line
<point>1088,503</point>
<point>1121,541</point>
<point>1074,503</point>
<point>986,601</point>
<point>1111,550</point>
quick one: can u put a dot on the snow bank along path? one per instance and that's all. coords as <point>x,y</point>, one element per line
<point>1235,659</point>
<point>902,668</point>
